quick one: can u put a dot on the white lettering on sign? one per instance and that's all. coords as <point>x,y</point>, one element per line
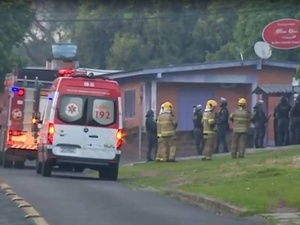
<point>89,84</point>
<point>20,102</point>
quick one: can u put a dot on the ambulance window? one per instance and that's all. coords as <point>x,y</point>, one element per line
<point>71,109</point>
<point>103,112</point>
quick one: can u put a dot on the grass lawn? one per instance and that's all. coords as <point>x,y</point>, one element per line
<point>262,182</point>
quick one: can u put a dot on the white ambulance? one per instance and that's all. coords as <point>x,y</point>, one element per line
<point>81,125</point>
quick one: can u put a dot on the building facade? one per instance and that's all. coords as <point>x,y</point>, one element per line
<point>188,85</point>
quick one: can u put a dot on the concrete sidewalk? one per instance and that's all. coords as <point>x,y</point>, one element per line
<point>10,214</point>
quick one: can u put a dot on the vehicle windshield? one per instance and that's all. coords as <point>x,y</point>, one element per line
<point>86,110</point>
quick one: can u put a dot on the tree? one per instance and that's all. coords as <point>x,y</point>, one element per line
<point>16,17</point>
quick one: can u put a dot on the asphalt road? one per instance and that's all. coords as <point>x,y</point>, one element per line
<point>76,199</point>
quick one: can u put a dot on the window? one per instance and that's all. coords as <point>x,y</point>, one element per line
<point>129,101</point>
<point>87,110</point>
<point>71,109</point>
<point>101,112</point>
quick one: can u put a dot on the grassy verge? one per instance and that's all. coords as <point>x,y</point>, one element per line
<point>262,182</point>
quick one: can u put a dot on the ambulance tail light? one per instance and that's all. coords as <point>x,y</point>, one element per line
<point>66,72</point>
<point>51,131</point>
<point>120,137</point>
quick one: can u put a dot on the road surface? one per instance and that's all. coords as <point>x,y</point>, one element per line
<point>76,199</point>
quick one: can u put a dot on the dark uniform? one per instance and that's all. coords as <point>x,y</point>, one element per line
<point>222,127</point>
<point>240,118</point>
<point>166,132</point>
<point>151,131</point>
<point>259,120</point>
<point>281,117</point>
<point>198,130</point>
<point>295,122</point>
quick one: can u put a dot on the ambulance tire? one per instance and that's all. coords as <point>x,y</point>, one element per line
<point>38,167</point>
<point>46,168</point>
<point>109,173</point>
<point>19,164</point>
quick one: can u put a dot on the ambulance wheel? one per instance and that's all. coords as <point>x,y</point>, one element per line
<point>109,173</point>
<point>46,168</point>
<point>38,167</point>
<point>19,164</point>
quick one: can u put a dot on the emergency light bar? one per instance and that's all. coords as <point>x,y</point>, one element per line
<point>71,72</point>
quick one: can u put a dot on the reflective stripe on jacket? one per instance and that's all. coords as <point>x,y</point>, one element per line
<point>208,120</point>
<point>241,118</point>
<point>166,125</point>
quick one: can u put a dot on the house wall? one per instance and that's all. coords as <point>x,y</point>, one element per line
<point>168,91</point>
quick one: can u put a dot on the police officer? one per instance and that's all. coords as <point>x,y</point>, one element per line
<point>281,116</point>
<point>166,132</point>
<point>241,119</point>
<point>259,120</point>
<point>198,128</point>
<point>209,133</point>
<point>222,126</point>
<point>151,131</point>
<point>295,122</point>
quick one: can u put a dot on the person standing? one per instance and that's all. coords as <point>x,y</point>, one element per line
<point>222,126</point>
<point>159,157</point>
<point>241,120</point>
<point>209,133</point>
<point>198,129</point>
<point>151,131</point>
<point>295,122</point>
<point>259,120</point>
<point>281,115</point>
<point>166,132</point>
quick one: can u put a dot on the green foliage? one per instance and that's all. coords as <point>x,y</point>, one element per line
<point>16,17</point>
<point>132,35</point>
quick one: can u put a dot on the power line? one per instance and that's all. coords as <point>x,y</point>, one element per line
<point>224,12</point>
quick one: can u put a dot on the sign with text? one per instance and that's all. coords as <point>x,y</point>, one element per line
<point>282,34</point>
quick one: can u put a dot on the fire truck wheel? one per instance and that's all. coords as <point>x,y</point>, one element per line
<point>38,167</point>
<point>46,168</point>
<point>7,163</point>
<point>19,164</point>
<point>109,173</point>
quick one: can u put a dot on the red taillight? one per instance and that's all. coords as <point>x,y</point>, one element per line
<point>119,136</point>
<point>18,133</point>
<point>10,132</point>
<point>51,131</point>
<point>14,133</point>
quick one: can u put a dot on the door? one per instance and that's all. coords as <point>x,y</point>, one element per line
<point>69,137</point>
<point>186,99</point>
<point>101,130</point>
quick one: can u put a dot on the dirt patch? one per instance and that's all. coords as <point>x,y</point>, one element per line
<point>296,162</point>
<point>179,181</point>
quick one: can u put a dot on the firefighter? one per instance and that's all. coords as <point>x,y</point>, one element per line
<point>281,116</point>
<point>198,129</point>
<point>222,126</point>
<point>259,119</point>
<point>209,133</point>
<point>241,120</point>
<point>166,132</point>
<point>159,157</point>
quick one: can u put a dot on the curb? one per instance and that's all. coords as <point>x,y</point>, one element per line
<point>30,212</point>
<point>207,203</point>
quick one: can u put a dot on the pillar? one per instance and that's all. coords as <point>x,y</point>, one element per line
<point>154,96</point>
